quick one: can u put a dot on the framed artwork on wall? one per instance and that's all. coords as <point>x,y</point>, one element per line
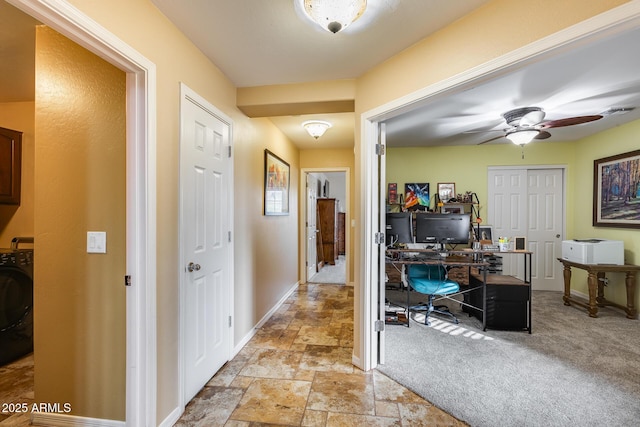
<point>616,191</point>
<point>416,195</point>
<point>446,191</point>
<point>276,185</point>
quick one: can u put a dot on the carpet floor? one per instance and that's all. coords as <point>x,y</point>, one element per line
<point>572,370</point>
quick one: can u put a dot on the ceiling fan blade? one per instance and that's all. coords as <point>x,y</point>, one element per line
<point>483,131</point>
<point>492,139</point>
<point>543,134</point>
<point>569,121</point>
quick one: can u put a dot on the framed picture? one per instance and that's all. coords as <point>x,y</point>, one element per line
<point>276,185</point>
<point>616,191</point>
<point>446,191</point>
<point>483,233</point>
<point>416,195</point>
<point>392,196</point>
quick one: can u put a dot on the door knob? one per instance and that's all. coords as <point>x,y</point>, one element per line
<point>557,236</point>
<point>193,267</point>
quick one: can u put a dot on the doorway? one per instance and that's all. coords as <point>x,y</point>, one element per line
<point>326,231</point>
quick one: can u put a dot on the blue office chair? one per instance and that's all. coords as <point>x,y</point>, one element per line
<point>432,281</point>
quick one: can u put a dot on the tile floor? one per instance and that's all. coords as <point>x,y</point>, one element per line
<point>297,371</point>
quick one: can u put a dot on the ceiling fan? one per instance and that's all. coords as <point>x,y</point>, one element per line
<point>526,124</point>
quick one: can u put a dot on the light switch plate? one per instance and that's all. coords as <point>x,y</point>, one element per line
<point>96,242</point>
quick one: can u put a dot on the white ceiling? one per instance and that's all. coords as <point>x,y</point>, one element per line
<point>258,42</point>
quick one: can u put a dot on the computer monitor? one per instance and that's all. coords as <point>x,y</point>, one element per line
<point>442,228</point>
<point>399,228</point>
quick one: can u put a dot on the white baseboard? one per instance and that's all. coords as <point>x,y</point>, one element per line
<point>264,319</point>
<point>579,294</point>
<point>49,419</point>
<point>356,361</point>
<point>172,418</point>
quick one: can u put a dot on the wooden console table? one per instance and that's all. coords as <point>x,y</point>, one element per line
<point>596,280</point>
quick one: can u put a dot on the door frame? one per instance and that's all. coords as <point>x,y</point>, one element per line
<point>189,95</point>
<point>617,20</point>
<point>302,226</point>
<point>141,356</point>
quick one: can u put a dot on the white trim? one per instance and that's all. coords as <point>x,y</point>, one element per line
<point>172,418</point>
<point>189,95</point>
<point>302,226</point>
<point>65,420</point>
<point>264,319</point>
<point>608,23</point>
<point>141,194</point>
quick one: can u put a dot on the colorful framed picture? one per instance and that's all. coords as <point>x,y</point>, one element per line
<point>616,191</point>
<point>416,196</point>
<point>276,185</point>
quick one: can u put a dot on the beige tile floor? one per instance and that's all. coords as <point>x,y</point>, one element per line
<point>297,371</point>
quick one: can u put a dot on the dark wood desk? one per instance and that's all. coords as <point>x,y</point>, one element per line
<point>596,281</point>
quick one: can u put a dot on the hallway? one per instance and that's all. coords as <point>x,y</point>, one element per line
<point>297,371</point>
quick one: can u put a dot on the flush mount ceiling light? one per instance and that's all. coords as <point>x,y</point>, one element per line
<point>334,15</point>
<point>522,137</point>
<point>316,128</point>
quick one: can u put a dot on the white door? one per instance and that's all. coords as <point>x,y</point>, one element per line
<point>205,180</point>
<point>529,202</point>
<point>545,227</point>
<point>312,257</point>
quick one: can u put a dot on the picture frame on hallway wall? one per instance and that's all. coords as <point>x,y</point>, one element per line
<point>616,191</point>
<point>276,184</point>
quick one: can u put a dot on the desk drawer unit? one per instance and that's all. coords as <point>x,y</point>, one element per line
<point>507,302</point>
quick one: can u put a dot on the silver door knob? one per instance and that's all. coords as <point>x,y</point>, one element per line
<point>193,267</point>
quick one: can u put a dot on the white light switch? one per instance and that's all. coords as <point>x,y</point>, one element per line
<point>97,242</point>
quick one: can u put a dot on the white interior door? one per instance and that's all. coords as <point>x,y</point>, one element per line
<point>545,227</point>
<point>205,166</point>
<point>529,202</point>
<point>312,257</point>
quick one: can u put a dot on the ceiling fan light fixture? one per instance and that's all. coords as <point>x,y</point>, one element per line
<point>522,137</point>
<point>316,128</point>
<point>334,15</point>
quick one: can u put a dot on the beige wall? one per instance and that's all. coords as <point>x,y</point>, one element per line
<point>17,221</point>
<point>333,158</point>
<point>79,298</point>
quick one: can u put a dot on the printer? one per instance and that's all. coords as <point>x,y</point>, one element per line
<point>593,251</point>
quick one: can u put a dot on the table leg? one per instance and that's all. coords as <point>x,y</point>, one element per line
<point>566,273</point>
<point>630,282</point>
<point>601,282</point>
<point>592,281</point>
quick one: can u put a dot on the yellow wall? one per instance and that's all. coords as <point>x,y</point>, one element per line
<point>333,158</point>
<point>467,168</point>
<point>17,221</point>
<point>79,298</point>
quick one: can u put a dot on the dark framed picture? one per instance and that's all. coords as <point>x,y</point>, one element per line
<point>616,191</point>
<point>416,195</point>
<point>276,185</point>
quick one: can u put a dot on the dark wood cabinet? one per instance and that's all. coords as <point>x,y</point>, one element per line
<point>10,166</point>
<point>328,220</point>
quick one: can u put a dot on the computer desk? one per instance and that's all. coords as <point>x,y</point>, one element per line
<point>469,259</point>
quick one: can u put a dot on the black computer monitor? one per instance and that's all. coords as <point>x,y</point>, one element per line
<point>442,228</point>
<point>399,228</point>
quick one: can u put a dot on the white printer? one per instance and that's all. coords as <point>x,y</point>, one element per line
<point>593,251</point>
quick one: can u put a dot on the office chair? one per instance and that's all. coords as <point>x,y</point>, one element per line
<point>432,281</point>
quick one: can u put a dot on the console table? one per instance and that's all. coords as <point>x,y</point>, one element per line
<point>595,281</point>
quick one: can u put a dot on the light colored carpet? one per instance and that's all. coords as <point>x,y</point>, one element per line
<point>572,371</point>
<point>334,274</point>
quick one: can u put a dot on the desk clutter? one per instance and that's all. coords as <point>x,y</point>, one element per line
<point>469,278</point>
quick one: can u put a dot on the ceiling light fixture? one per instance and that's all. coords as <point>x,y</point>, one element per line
<point>522,137</point>
<point>316,128</point>
<point>334,15</point>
